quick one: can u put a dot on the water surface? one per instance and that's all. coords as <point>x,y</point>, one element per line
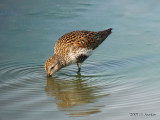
<point>120,78</point>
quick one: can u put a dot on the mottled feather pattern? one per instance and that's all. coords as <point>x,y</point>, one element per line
<point>75,47</point>
<point>74,42</point>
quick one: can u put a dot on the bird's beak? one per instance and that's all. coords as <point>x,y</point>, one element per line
<point>48,75</point>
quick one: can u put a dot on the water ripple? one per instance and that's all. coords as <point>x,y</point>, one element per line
<point>12,72</point>
<point>114,83</point>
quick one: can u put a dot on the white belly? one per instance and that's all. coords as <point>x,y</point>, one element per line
<point>73,55</point>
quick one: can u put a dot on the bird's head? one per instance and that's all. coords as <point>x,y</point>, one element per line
<point>52,65</point>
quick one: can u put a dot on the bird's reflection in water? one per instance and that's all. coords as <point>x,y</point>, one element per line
<point>70,93</point>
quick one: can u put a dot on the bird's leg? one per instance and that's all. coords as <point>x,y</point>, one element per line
<point>79,66</point>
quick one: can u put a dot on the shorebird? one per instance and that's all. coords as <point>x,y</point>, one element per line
<point>74,47</point>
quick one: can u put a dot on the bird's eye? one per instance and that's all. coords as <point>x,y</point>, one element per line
<point>52,68</point>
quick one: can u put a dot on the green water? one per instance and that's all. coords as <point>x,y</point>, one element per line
<point>120,81</point>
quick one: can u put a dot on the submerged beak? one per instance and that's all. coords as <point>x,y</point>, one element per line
<point>48,75</point>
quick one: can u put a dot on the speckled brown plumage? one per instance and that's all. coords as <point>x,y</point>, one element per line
<point>83,39</point>
<point>75,47</point>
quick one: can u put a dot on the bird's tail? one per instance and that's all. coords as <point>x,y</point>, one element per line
<point>104,34</point>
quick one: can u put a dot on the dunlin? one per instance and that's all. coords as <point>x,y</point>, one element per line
<point>74,47</point>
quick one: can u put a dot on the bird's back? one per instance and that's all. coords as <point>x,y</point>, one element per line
<point>78,43</point>
<point>82,39</point>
